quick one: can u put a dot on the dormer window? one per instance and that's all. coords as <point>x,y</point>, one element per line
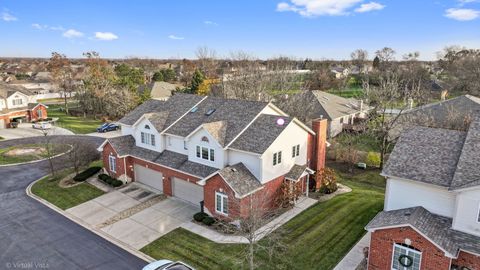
<point>17,101</point>
<point>205,153</point>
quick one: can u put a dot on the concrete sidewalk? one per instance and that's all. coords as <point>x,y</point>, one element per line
<point>212,235</point>
<point>355,256</point>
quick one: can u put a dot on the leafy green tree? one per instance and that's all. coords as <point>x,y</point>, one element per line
<point>129,76</point>
<point>197,80</point>
<point>168,74</point>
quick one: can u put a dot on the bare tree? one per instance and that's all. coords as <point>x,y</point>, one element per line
<point>208,62</point>
<point>47,142</point>
<point>81,154</point>
<point>461,69</point>
<point>62,75</point>
<point>359,57</point>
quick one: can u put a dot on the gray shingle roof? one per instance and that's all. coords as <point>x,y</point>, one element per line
<point>158,119</point>
<point>260,134</point>
<point>468,167</point>
<point>436,228</point>
<point>295,172</point>
<point>177,105</point>
<point>125,145</point>
<point>426,155</point>
<point>236,114</point>
<point>240,179</point>
<point>7,90</point>
<point>162,89</point>
<point>218,130</point>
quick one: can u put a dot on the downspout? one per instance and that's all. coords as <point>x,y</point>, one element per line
<point>125,168</point>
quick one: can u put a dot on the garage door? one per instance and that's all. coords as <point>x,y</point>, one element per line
<point>2,123</point>
<point>187,191</point>
<point>149,177</point>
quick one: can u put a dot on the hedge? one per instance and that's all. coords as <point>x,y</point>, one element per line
<point>200,216</point>
<point>109,180</point>
<point>208,220</point>
<point>86,174</point>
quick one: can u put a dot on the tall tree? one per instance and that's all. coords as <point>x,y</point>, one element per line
<point>130,77</point>
<point>62,75</point>
<point>359,57</point>
<point>197,80</point>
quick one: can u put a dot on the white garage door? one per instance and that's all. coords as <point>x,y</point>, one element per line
<point>2,123</point>
<point>148,177</point>
<point>187,191</point>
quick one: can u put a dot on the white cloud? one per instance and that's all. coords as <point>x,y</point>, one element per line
<point>462,14</point>
<point>56,28</point>
<point>369,7</point>
<point>105,36</point>
<point>311,8</point>
<point>72,33</point>
<point>210,23</point>
<point>6,16</point>
<point>175,37</point>
<point>38,26</point>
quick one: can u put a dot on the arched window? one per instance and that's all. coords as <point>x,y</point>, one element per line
<point>205,139</point>
<point>147,127</point>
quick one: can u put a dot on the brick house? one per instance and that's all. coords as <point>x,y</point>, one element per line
<point>431,217</point>
<point>17,104</point>
<point>221,152</point>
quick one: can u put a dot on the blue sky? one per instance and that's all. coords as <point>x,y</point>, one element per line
<point>266,28</point>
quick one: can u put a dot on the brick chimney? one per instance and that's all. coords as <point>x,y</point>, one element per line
<point>319,126</point>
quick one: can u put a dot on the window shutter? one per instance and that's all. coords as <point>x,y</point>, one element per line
<point>153,139</point>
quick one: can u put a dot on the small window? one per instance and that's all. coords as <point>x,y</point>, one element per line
<point>341,120</point>
<point>405,258</point>
<point>152,139</point>
<point>147,127</point>
<point>212,155</point>
<point>185,145</point>
<point>112,163</point>
<point>204,153</point>
<point>296,150</point>
<point>198,151</point>
<point>478,217</point>
<point>40,113</point>
<point>142,136</point>
<point>221,203</point>
<point>277,158</point>
<point>205,139</point>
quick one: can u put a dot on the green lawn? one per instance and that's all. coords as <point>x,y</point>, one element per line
<point>318,238</point>
<point>64,198</point>
<point>77,125</point>
<point>351,92</point>
<point>8,159</point>
<point>363,142</point>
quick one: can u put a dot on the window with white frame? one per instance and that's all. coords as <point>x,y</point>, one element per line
<point>295,150</point>
<point>405,258</point>
<point>112,163</point>
<point>221,203</point>
<point>277,158</point>
<point>147,138</point>
<point>17,101</point>
<point>205,153</point>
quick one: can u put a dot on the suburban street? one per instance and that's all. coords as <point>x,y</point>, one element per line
<point>34,236</point>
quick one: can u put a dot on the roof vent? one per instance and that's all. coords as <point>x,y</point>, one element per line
<point>210,112</point>
<point>407,214</point>
<point>194,109</point>
<point>233,169</point>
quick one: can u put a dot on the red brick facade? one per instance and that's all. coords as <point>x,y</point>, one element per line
<point>467,260</point>
<point>29,115</point>
<point>381,249</point>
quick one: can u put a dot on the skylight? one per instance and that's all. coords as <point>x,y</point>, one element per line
<point>194,109</point>
<point>210,112</point>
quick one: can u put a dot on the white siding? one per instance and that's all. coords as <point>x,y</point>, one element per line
<point>140,127</point>
<point>292,135</point>
<point>127,130</point>
<point>269,110</point>
<point>175,144</point>
<point>17,95</point>
<point>251,161</point>
<point>405,194</point>
<point>2,104</point>
<point>467,211</point>
<point>196,139</point>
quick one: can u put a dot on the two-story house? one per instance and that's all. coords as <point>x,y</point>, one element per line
<point>18,104</point>
<point>216,151</point>
<point>431,217</point>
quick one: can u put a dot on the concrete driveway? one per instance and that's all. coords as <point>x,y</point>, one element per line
<point>137,228</point>
<point>32,234</point>
<point>25,130</point>
<point>106,135</point>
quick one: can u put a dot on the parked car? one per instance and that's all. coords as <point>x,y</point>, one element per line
<point>108,127</point>
<point>42,125</point>
<point>167,265</point>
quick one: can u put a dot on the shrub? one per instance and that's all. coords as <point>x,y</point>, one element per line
<point>373,159</point>
<point>86,174</point>
<point>109,180</point>
<point>329,181</point>
<point>103,177</point>
<point>208,220</point>
<point>199,216</point>
<point>116,183</point>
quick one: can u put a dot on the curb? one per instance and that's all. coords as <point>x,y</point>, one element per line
<point>39,160</point>
<point>78,221</point>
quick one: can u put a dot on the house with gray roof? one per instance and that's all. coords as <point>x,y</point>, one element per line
<point>158,90</point>
<point>215,152</point>
<point>18,104</point>
<point>339,111</point>
<point>431,217</point>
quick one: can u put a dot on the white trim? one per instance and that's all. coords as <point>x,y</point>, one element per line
<point>209,158</point>
<point>414,181</point>
<point>114,159</point>
<point>203,181</point>
<point>246,152</point>
<point>278,110</point>
<point>223,196</point>
<point>172,135</point>
<point>407,249</point>
<point>197,129</point>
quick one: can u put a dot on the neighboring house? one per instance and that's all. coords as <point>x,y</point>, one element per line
<point>337,110</point>
<point>340,72</point>
<point>159,90</point>
<point>220,152</point>
<point>431,217</point>
<point>455,113</point>
<point>18,104</point>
